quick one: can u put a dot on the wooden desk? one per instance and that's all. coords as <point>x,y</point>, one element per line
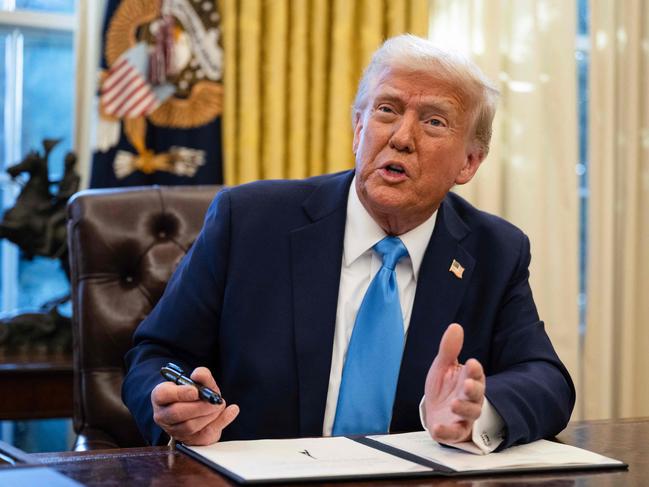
<point>627,440</point>
<point>35,385</point>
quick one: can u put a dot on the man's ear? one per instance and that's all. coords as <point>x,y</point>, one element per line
<point>474,157</point>
<point>358,127</point>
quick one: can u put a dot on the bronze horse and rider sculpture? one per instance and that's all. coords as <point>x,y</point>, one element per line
<point>37,224</point>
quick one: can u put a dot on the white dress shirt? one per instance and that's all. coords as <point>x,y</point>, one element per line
<point>359,265</point>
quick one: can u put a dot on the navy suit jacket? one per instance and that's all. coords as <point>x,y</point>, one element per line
<point>255,301</point>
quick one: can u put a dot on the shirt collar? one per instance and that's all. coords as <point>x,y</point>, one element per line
<point>362,233</point>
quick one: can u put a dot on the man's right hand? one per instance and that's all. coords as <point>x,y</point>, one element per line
<point>183,416</point>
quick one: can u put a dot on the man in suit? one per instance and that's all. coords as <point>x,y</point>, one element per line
<point>270,304</point>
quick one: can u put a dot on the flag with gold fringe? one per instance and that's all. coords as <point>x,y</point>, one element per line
<point>160,94</point>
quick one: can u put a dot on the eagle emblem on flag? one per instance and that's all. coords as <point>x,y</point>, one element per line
<point>126,91</point>
<point>164,68</point>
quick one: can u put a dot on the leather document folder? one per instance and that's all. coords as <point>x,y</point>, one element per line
<point>382,456</point>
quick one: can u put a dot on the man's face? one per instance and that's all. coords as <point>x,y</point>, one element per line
<point>413,143</point>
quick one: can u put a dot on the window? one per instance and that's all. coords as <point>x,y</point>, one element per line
<point>60,6</point>
<point>36,102</point>
<point>582,56</point>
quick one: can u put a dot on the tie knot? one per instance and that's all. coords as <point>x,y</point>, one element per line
<point>391,249</point>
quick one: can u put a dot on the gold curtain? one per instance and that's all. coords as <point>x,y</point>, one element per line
<point>291,70</point>
<point>617,328</point>
<point>527,47</point>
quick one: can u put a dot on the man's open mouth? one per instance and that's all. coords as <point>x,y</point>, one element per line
<point>395,168</point>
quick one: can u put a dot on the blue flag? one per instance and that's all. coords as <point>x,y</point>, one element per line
<point>160,95</point>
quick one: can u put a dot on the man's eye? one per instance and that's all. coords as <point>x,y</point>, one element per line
<point>384,109</point>
<point>436,122</point>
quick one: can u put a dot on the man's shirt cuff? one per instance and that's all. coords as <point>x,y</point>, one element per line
<point>487,434</point>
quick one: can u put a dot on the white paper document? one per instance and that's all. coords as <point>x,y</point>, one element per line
<point>303,458</point>
<point>541,453</point>
<point>407,454</point>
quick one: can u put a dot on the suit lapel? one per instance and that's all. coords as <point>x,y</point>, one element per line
<point>316,253</point>
<point>437,299</point>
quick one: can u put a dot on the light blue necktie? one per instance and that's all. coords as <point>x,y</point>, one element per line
<point>371,370</point>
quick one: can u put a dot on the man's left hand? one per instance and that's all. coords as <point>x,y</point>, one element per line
<point>454,393</point>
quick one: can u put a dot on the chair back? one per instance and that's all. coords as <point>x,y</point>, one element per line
<point>124,245</point>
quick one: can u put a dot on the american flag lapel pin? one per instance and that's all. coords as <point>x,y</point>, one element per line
<point>457,269</point>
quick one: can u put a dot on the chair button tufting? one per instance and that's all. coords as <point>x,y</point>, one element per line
<point>129,279</point>
<point>164,226</point>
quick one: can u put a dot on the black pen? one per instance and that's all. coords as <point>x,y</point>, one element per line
<point>175,374</point>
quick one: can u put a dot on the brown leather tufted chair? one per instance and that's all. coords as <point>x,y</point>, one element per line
<point>124,245</point>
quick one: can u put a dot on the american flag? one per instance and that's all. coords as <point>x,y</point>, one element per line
<point>126,93</point>
<point>457,269</point>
